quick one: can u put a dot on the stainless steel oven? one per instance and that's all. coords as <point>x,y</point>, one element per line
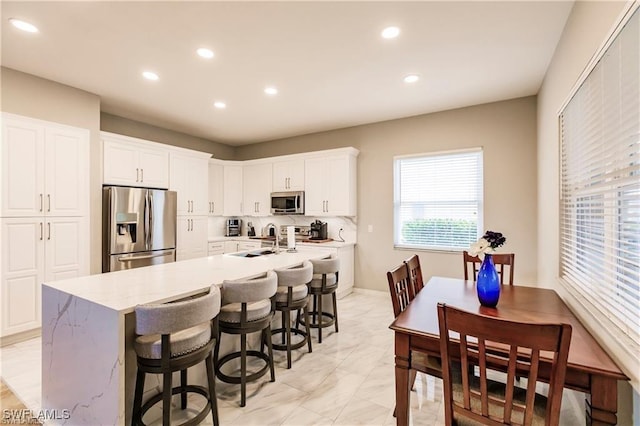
<point>285,203</point>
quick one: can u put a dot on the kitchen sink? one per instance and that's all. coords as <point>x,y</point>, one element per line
<point>254,253</point>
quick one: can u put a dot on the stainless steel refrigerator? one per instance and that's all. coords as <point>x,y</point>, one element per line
<point>139,227</point>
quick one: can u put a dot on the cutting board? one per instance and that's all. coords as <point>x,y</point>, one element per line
<point>317,241</point>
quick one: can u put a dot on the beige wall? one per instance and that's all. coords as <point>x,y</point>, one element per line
<point>587,29</point>
<point>124,126</point>
<point>32,96</point>
<point>507,132</point>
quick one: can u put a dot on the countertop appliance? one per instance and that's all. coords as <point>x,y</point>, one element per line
<point>318,230</point>
<point>138,227</point>
<point>290,202</point>
<point>233,227</point>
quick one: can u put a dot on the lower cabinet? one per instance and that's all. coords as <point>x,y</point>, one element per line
<point>230,246</point>
<point>37,250</point>
<point>346,256</point>
<point>249,245</point>
<point>191,237</point>
<point>215,247</point>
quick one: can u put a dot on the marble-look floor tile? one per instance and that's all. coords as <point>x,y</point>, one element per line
<point>303,417</point>
<point>334,393</point>
<point>362,412</point>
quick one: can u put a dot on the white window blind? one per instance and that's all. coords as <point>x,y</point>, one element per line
<point>438,200</point>
<point>600,185</point>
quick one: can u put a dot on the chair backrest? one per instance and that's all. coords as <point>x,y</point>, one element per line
<point>250,290</point>
<point>500,260</point>
<point>167,318</point>
<point>515,341</point>
<point>295,275</point>
<point>415,273</point>
<point>400,288</point>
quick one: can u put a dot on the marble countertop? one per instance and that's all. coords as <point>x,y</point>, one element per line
<point>330,244</point>
<point>123,290</point>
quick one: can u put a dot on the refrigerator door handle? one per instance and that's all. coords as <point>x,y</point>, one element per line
<point>146,256</point>
<point>150,223</point>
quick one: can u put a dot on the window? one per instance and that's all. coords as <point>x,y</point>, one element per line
<point>600,188</point>
<point>438,200</point>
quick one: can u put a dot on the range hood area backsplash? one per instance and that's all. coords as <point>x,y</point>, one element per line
<point>217,225</point>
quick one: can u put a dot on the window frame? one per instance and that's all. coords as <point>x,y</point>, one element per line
<point>397,184</point>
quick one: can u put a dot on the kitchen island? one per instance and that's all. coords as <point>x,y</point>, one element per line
<point>88,329</point>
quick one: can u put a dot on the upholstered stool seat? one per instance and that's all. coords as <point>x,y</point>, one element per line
<point>173,337</point>
<point>293,295</point>
<point>325,281</point>
<point>248,307</point>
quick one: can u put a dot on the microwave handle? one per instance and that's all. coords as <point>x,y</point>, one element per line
<point>283,210</point>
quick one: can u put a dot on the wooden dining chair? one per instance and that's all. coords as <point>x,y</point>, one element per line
<point>500,260</point>
<point>500,345</point>
<point>415,273</point>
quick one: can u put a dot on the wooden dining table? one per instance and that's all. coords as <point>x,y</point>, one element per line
<point>589,369</point>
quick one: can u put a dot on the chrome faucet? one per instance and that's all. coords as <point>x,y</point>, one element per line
<point>276,244</point>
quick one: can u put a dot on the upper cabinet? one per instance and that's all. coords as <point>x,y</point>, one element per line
<point>216,188</point>
<point>189,178</point>
<point>330,185</point>
<point>288,175</point>
<point>257,189</point>
<point>44,168</point>
<point>232,204</point>
<point>134,162</point>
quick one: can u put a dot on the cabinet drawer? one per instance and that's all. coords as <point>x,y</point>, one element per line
<point>215,248</point>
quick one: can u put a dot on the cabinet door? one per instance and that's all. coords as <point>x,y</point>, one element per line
<point>216,189</point>
<point>336,180</point>
<point>314,175</point>
<point>249,245</point>
<point>121,164</point>
<point>230,246</point>
<point>66,248</point>
<point>198,186</point>
<point>179,183</point>
<point>22,273</point>
<point>288,175</point>
<point>154,168</point>
<point>214,248</point>
<point>66,166</point>
<point>296,175</point>
<point>198,237</point>
<point>183,232</point>
<point>257,184</point>
<point>232,204</point>
<point>22,168</point>
<point>280,176</point>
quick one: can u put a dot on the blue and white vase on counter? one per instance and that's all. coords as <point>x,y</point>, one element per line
<point>488,283</point>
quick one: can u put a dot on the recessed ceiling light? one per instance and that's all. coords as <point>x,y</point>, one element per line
<point>219,105</point>
<point>150,75</point>
<point>24,26</point>
<point>270,90</point>
<point>205,53</point>
<point>411,78</point>
<point>390,32</point>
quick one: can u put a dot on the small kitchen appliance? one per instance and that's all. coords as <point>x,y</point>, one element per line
<point>287,203</point>
<point>233,227</point>
<point>318,230</point>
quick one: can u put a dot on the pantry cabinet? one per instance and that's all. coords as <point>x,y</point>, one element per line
<point>330,185</point>
<point>288,175</point>
<point>190,178</point>
<point>257,180</point>
<point>134,162</point>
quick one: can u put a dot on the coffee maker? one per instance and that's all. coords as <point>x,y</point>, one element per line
<point>233,227</point>
<point>318,230</point>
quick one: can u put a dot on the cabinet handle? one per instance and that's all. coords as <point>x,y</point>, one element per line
<point>48,230</point>
<point>141,175</point>
<point>191,220</point>
<point>137,175</point>
<point>327,206</point>
<point>41,231</point>
<point>48,202</point>
<point>213,207</point>
<point>41,203</point>
<point>191,206</point>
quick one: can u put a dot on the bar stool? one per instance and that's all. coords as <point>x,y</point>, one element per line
<point>247,307</point>
<point>173,337</point>
<point>325,281</point>
<point>293,295</point>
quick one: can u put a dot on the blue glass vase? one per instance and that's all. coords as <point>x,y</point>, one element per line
<point>488,283</point>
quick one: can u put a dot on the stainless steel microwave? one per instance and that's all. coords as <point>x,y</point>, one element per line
<point>291,202</point>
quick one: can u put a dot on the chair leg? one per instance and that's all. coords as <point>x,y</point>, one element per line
<point>267,336</point>
<point>137,401</point>
<point>286,320</point>
<point>306,325</point>
<point>335,310</point>
<point>183,385</point>
<point>216,353</point>
<point>243,370</point>
<point>315,308</point>
<point>412,378</point>
<point>213,399</point>
<point>320,317</point>
<point>283,315</point>
<point>166,398</point>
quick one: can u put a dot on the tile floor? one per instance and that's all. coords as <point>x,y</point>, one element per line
<point>347,380</point>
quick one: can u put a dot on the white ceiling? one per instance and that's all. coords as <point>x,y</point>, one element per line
<point>327,59</point>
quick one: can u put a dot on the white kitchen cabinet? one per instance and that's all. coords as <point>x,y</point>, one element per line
<point>249,245</point>
<point>230,246</point>
<point>346,256</point>
<point>44,168</point>
<point>191,237</point>
<point>288,175</point>
<point>189,177</point>
<point>134,162</point>
<point>232,204</point>
<point>257,181</point>
<point>215,247</point>
<point>216,189</point>
<point>330,185</point>
<point>37,250</point>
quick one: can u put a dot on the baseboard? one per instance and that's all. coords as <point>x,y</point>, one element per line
<point>370,292</point>
<point>19,337</point>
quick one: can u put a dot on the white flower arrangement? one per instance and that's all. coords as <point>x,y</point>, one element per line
<point>488,244</point>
